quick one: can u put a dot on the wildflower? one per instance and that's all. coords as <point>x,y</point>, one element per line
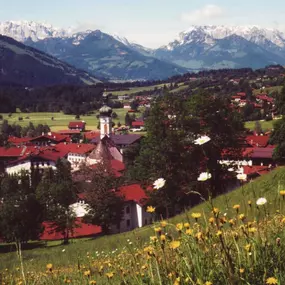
<point>219,233</point>
<point>163,238</point>
<point>211,220</point>
<point>149,250</point>
<point>163,224</point>
<point>204,176</point>
<point>153,238</point>
<point>242,217</point>
<point>63,250</point>
<point>261,201</point>
<point>174,244</point>
<point>249,203</point>
<point>236,207</point>
<point>271,281</point>
<point>87,273</point>
<point>49,266</point>
<point>215,211</point>
<point>282,193</point>
<point>231,222</point>
<point>241,270</point>
<point>92,282</point>
<point>110,275</point>
<point>177,281</point>
<point>252,230</point>
<point>199,235</point>
<point>247,247</point>
<point>241,177</point>
<point>150,209</point>
<point>208,283</point>
<point>66,280</point>
<point>157,230</point>
<point>159,183</point>
<point>186,225</point>
<point>202,140</point>
<point>196,215</point>
<point>189,232</point>
<point>179,227</point>
<point>278,241</point>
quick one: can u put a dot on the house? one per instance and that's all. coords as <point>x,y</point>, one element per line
<point>77,126</point>
<point>77,153</point>
<point>138,124</point>
<point>36,159</point>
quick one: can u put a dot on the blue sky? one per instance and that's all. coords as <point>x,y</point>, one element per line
<point>148,22</point>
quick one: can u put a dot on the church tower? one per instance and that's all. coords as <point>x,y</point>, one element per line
<point>105,118</point>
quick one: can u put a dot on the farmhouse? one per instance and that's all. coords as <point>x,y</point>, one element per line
<point>77,126</point>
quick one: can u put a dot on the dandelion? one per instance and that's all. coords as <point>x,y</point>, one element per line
<point>271,281</point>
<point>236,207</point>
<point>252,230</point>
<point>219,233</point>
<point>204,176</point>
<point>242,177</point>
<point>159,183</point>
<point>249,203</point>
<point>87,273</point>
<point>211,220</point>
<point>179,227</point>
<point>282,193</point>
<point>157,230</point>
<point>261,201</point>
<point>231,222</point>
<point>247,247</point>
<point>208,283</point>
<point>110,275</point>
<point>49,266</point>
<point>163,238</point>
<point>92,282</point>
<point>196,215</point>
<point>163,224</point>
<point>153,238</point>
<point>242,217</point>
<point>241,270</point>
<point>186,225</point>
<point>150,209</point>
<point>174,244</point>
<point>189,232</point>
<point>202,140</point>
<point>215,211</point>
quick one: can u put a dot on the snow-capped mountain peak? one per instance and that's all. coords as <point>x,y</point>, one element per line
<point>22,30</point>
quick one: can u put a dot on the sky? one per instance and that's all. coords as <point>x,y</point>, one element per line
<point>152,23</point>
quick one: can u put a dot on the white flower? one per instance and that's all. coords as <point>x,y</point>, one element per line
<point>242,177</point>
<point>261,201</point>
<point>204,176</point>
<point>231,169</point>
<point>159,183</point>
<point>202,140</point>
<point>63,250</point>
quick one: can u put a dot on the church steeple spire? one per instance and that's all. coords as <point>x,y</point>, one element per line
<point>105,117</point>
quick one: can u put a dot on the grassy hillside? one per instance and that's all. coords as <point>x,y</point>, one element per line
<point>196,251</point>
<point>265,125</point>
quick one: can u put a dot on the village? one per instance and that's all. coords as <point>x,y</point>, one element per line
<point>43,152</point>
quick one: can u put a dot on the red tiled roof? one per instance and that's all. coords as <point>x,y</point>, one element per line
<point>137,124</point>
<point>82,230</point>
<point>80,125</point>
<point>242,94</point>
<point>91,135</point>
<point>116,165</point>
<point>16,140</point>
<point>249,170</point>
<point>258,152</point>
<point>69,132</point>
<point>257,141</point>
<point>133,192</point>
<point>12,151</point>
<point>75,148</point>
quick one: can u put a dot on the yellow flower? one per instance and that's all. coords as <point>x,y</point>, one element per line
<point>163,224</point>
<point>110,275</point>
<point>49,266</point>
<point>283,221</point>
<point>196,215</point>
<point>199,235</point>
<point>150,209</point>
<point>211,220</point>
<point>174,244</point>
<point>208,283</point>
<point>236,207</point>
<point>241,217</point>
<point>241,270</point>
<point>186,225</point>
<point>219,233</point>
<point>189,232</point>
<point>249,202</point>
<point>163,238</point>
<point>252,230</point>
<point>149,250</point>
<point>87,273</point>
<point>66,280</point>
<point>177,281</point>
<point>153,238</point>
<point>282,192</point>
<point>92,282</point>
<point>215,211</point>
<point>179,227</point>
<point>158,229</point>
<point>271,281</point>
<point>247,247</point>
<point>231,222</point>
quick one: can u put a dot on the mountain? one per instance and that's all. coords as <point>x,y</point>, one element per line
<point>193,48</point>
<point>23,30</point>
<point>103,55</point>
<point>27,66</point>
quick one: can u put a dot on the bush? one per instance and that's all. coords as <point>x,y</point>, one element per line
<point>20,118</point>
<point>1,117</point>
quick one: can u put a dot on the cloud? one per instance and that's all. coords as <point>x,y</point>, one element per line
<point>207,12</point>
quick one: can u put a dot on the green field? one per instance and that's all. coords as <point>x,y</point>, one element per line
<point>60,121</point>
<point>265,125</point>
